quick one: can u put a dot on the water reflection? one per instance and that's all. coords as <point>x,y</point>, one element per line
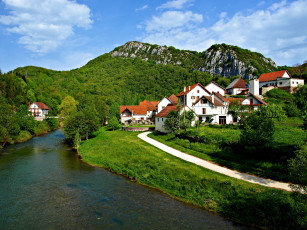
<point>45,186</point>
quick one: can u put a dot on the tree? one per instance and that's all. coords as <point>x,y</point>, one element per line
<point>257,130</point>
<point>298,169</point>
<point>113,124</point>
<point>67,107</point>
<point>172,122</point>
<point>77,141</point>
<point>9,126</point>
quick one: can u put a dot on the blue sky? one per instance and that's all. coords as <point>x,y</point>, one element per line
<point>66,34</point>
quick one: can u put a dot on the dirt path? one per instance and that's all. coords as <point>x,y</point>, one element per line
<point>214,167</point>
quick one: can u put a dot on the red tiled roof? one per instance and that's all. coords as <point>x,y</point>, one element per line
<point>135,109</point>
<point>190,88</point>
<point>272,76</point>
<point>237,83</point>
<point>150,105</point>
<point>221,96</point>
<point>166,110</point>
<point>209,98</point>
<point>173,98</point>
<point>231,100</point>
<point>41,105</point>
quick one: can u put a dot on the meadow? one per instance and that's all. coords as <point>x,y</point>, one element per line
<point>124,153</point>
<point>220,144</point>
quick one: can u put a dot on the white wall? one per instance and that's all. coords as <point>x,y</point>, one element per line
<point>159,124</point>
<point>254,86</point>
<point>163,103</point>
<point>214,88</point>
<point>196,92</point>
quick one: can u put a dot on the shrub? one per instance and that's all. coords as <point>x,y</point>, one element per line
<point>257,131</point>
<point>113,124</point>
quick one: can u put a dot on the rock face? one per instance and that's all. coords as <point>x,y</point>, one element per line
<point>220,59</point>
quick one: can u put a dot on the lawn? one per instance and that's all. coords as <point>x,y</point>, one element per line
<point>220,145</point>
<point>124,153</point>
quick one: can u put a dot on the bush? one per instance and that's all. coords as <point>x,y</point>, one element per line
<point>113,124</point>
<point>257,131</point>
<point>292,110</point>
<point>53,123</point>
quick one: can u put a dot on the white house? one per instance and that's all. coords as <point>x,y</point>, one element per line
<point>166,101</point>
<point>253,102</point>
<point>279,79</point>
<point>38,109</point>
<point>212,107</point>
<point>213,87</point>
<point>192,93</point>
<point>138,113</point>
<point>237,86</point>
<point>161,117</point>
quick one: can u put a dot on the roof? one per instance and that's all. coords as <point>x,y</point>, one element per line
<point>41,105</point>
<point>216,85</point>
<point>220,96</point>
<point>135,109</point>
<point>263,102</point>
<point>164,112</point>
<point>173,98</point>
<point>272,76</point>
<point>150,105</point>
<point>231,100</point>
<point>237,83</point>
<point>209,98</point>
<point>190,88</point>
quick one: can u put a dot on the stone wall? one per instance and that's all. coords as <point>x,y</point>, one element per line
<point>138,129</point>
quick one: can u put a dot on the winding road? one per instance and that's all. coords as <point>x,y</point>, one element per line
<point>214,167</point>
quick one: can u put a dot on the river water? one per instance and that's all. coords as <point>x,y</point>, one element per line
<point>43,185</point>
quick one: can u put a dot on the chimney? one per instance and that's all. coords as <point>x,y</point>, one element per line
<point>254,86</point>
<point>189,88</point>
<point>212,97</point>
<point>184,89</point>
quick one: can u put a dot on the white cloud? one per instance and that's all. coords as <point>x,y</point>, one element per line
<point>278,32</point>
<point>172,19</point>
<point>142,8</point>
<point>44,24</point>
<point>175,4</point>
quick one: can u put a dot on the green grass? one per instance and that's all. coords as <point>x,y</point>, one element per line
<point>124,153</point>
<point>221,146</point>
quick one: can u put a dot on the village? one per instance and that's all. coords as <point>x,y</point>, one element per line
<point>210,103</point>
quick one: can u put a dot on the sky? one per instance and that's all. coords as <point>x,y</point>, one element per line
<point>66,34</point>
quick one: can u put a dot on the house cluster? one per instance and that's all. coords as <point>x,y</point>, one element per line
<point>266,82</point>
<point>38,109</point>
<point>208,103</point>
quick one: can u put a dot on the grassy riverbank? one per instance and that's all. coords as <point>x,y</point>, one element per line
<point>124,153</point>
<point>220,144</point>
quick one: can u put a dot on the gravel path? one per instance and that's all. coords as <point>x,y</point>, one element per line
<point>214,167</point>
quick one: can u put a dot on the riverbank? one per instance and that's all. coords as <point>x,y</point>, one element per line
<point>125,154</point>
<point>41,128</point>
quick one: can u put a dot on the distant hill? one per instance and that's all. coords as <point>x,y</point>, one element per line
<point>131,73</point>
<point>225,60</point>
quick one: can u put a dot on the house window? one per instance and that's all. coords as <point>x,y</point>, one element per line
<point>197,97</point>
<point>203,101</point>
<point>192,97</point>
<point>204,110</point>
<point>197,91</point>
<point>292,82</point>
<point>280,83</point>
<point>158,119</point>
<point>163,107</point>
<point>162,119</point>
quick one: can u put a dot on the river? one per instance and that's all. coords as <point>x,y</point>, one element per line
<point>43,185</point>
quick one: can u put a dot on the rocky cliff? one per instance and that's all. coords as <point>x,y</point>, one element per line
<point>220,59</point>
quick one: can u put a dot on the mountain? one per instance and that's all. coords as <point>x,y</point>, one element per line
<point>220,59</point>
